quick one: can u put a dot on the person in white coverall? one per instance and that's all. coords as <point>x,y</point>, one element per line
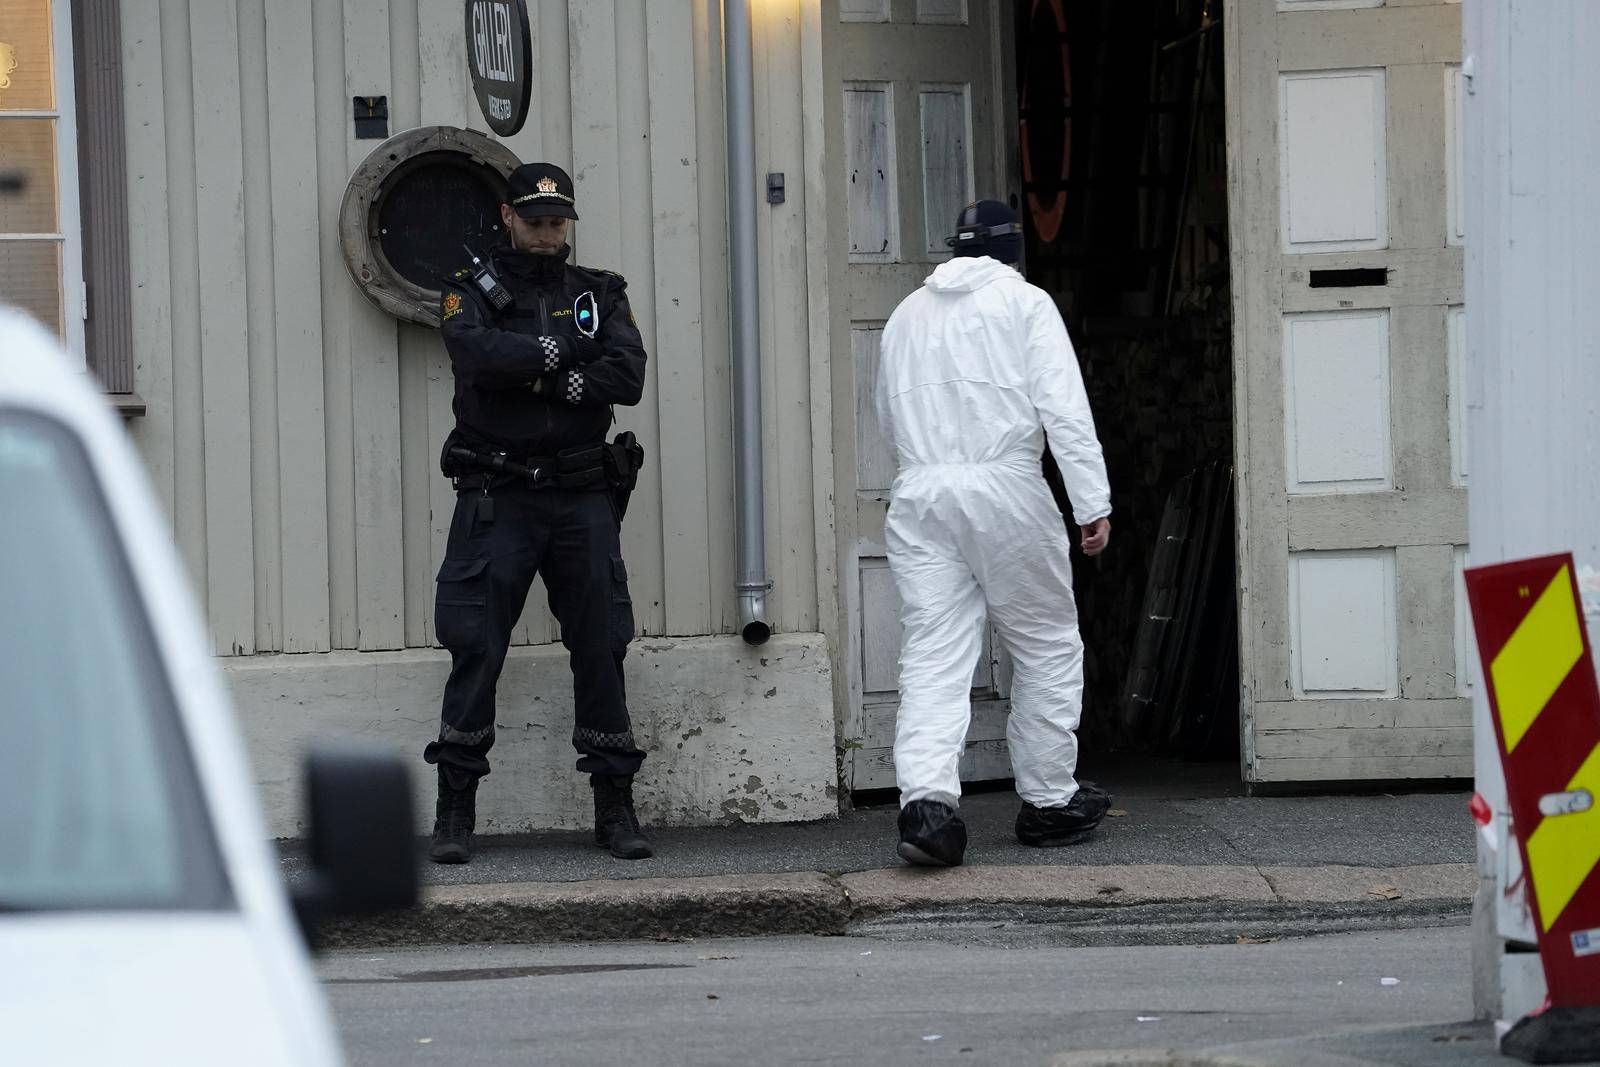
<point>976,374</point>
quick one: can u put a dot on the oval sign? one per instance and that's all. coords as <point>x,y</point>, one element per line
<point>500,60</point>
<point>1575,802</point>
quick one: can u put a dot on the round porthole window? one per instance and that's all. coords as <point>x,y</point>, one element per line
<point>414,207</point>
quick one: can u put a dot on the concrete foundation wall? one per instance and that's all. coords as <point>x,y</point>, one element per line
<point>735,734</point>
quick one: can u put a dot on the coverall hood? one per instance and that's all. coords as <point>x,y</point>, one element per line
<point>966,274</point>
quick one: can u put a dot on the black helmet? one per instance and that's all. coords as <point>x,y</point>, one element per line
<point>988,228</point>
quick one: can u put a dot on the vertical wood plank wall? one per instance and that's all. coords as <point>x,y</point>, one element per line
<point>293,429</point>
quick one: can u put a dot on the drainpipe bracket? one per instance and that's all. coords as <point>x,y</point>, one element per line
<point>753,626</point>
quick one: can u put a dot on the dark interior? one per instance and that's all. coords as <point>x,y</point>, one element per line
<point>1124,197</point>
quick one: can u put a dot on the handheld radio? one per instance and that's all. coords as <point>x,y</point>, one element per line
<point>498,295</point>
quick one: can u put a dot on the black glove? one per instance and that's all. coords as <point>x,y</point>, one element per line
<point>586,349</point>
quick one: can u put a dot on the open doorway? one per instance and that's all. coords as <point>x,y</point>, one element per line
<point>1124,197</point>
<point>1116,109</point>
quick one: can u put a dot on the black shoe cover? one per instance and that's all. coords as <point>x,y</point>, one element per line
<point>931,834</point>
<point>1075,823</point>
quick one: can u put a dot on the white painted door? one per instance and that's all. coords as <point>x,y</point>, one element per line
<point>1345,201</point>
<point>920,131</point>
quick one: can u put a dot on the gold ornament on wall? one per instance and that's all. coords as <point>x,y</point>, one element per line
<point>8,63</point>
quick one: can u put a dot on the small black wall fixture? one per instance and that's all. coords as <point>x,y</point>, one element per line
<point>372,118</point>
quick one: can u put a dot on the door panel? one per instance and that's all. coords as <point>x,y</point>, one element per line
<point>1350,464</point>
<point>1343,637</point>
<point>869,135</point>
<point>1332,152</point>
<point>946,118</point>
<point>875,464</point>
<point>1336,401</point>
<point>916,84</point>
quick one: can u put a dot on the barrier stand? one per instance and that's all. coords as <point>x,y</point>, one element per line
<point>1545,702</point>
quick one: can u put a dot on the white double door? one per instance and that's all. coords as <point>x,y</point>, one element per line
<point>922,128</point>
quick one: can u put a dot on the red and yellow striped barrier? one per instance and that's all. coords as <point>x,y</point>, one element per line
<point>1546,704</point>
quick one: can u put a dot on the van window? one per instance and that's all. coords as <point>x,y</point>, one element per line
<point>99,804</point>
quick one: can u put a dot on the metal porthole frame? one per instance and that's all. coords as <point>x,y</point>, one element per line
<point>363,254</point>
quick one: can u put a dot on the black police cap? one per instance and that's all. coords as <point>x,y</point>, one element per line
<point>538,189</point>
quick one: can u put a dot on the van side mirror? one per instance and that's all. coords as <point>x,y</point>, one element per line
<point>363,843</point>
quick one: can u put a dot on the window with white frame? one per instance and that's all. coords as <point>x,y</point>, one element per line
<point>41,253</point>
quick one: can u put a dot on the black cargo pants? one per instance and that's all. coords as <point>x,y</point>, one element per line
<point>499,540</point>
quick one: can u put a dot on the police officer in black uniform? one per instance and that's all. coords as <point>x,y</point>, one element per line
<point>541,349</point>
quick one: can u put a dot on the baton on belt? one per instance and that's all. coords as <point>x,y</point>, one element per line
<point>499,464</point>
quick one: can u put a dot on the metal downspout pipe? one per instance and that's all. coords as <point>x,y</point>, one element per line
<point>749,513</point>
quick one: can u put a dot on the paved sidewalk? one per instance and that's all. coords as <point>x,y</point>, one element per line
<point>1187,859</point>
<point>1176,813</point>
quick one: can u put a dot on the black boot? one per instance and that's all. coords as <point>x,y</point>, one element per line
<point>1051,827</point>
<point>616,826</point>
<point>931,834</point>
<point>454,815</point>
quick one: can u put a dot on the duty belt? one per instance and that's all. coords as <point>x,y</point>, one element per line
<point>574,468</point>
<point>615,465</point>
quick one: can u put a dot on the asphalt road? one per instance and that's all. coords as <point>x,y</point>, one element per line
<point>854,1000</point>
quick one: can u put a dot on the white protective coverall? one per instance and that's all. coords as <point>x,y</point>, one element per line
<point>976,369</point>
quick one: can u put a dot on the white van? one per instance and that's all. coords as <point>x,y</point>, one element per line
<point>143,918</point>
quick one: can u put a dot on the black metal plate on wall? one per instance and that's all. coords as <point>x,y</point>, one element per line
<point>371,117</point>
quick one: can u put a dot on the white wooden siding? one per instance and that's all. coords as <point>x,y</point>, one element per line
<point>786,355</point>
<point>297,286</point>
<point>293,430</point>
<point>445,101</point>
<point>172,198</point>
<point>261,326</point>
<point>231,577</point>
<point>680,329</point>
<point>374,369</point>
<point>145,108</point>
